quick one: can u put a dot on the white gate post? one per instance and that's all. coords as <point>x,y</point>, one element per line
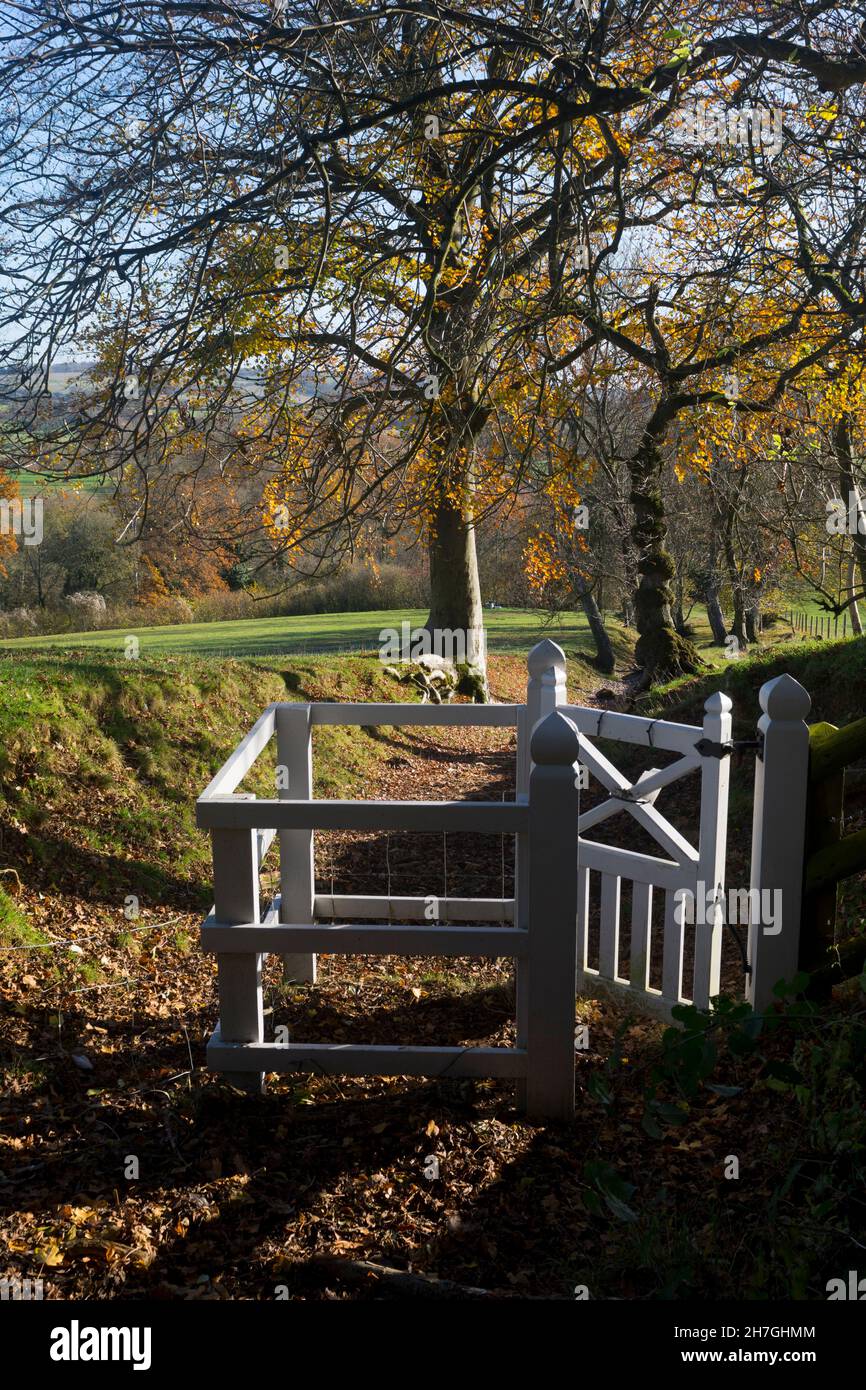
<point>297,872</point>
<point>715,780</point>
<point>778,836</point>
<point>545,689</point>
<point>553,813</point>
<point>236,901</point>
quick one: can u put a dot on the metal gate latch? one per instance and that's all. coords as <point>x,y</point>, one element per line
<point>742,745</point>
<point>708,749</point>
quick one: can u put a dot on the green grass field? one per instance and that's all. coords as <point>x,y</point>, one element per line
<point>31,486</point>
<point>508,630</point>
<point>513,630</point>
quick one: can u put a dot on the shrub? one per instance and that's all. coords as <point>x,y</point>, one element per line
<point>87,606</point>
<point>18,621</point>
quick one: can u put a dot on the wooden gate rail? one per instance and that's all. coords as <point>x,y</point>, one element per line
<point>482,817</point>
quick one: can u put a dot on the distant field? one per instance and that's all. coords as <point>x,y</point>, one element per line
<point>508,629</point>
<point>62,377</point>
<point>31,486</point>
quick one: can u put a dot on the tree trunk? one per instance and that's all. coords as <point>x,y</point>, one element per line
<point>660,650</point>
<point>714,612</point>
<point>604,658</point>
<point>456,621</point>
<point>856,620</point>
<point>738,626</point>
<point>753,622</point>
<point>34,560</point>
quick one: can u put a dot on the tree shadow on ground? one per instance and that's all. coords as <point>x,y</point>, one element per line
<point>55,865</point>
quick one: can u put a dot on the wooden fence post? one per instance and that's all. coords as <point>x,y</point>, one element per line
<point>297,869</point>
<point>778,836</point>
<point>715,780</point>
<point>545,689</point>
<point>236,901</point>
<point>553,815</point>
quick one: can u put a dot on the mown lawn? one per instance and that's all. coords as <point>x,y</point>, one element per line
<point>508,630</point>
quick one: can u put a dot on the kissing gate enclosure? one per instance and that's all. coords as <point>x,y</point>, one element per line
<point>548,927</point>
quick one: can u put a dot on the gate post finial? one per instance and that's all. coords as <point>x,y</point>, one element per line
<point>784,698</point>
<point>555,741</point>
<point>545,653</point>
<point>545,690</point>
<point>718,703</point>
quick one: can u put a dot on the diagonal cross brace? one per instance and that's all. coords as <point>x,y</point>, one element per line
<point>624,797</point>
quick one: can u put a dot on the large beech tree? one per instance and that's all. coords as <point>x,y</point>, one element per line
<point>334,248</point>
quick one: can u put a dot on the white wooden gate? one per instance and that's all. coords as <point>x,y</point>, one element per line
<point>545,927</point>
<point>657,883</point>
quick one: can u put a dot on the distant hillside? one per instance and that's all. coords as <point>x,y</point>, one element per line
<point>66,377</point>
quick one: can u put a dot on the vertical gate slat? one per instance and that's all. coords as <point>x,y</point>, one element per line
<point>715,783</point>
<point>641,918</point>
<point>608,949</point>
<point>582,917</point>
<point>672,955</point>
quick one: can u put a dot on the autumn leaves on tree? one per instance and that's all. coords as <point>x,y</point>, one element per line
<point>367,269</point>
